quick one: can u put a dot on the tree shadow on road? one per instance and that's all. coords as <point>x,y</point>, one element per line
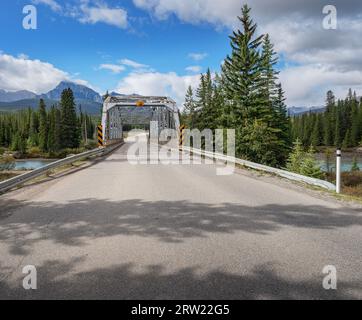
<point>167,221</point>
<point>57,280</point>
<point>23,225</point>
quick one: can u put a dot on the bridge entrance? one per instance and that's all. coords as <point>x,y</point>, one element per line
<point>124,112</point>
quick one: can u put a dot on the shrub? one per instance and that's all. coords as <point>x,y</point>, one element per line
<point>7,163</point>
<point>352,179</point>
<point>303,162</point>
<point>34,152</point>
<point>355,166</point>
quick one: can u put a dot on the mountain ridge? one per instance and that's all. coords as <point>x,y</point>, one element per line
<point>81,92</point>
<point>11,96</point>
<point>90,100</point>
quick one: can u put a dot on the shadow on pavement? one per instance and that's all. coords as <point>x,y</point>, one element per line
<point>120,282</point>
<point>24,224</point>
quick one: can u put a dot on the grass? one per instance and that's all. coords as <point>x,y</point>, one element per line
<point>351,183</point>
<point>7,175</point>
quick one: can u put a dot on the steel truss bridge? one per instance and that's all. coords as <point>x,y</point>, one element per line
<point>135,110</point>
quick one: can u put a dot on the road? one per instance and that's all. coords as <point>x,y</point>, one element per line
<point>118,231</point>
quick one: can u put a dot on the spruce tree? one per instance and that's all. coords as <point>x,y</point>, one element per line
<point>283,124</point>
<point>329,121</point>
<point>70,131</point>
<point>54,130</point>
<point>355,166</point>
<point>337,133</point>
<point>242,76</point>
<point>295,159</point>
<point>309,166</point>
<point>43,127</point>
<point>317,131</point>
<point>355,124</point>
<point>190,108</point>
<point>347,140</point>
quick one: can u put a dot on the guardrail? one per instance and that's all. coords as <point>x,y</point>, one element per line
<point>19,180</point>
<point>282,173</point>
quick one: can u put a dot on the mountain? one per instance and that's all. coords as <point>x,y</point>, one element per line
<point>89,100</point>
<point>295,111</point>
<point>24,104</point>
<point>80,92</point>
<point>87,106</point>
<point>10,96</point>
<point>116,94</point>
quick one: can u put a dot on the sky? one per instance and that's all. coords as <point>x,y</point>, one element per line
<point>160,47</point>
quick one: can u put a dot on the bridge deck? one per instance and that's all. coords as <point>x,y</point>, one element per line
<point>115,230</point>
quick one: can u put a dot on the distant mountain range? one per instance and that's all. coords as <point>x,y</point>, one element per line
<point>294,111</point>
<point>9,96</point>
<point>88,99</point>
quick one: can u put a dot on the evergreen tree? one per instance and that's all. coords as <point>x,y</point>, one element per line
<point>295,159</point>
<point>355,166</point>
<point>337,134</point>
<point>269,75</point>
<point>70,131</point>
<point>43,127</point>
<point>243,80</point>
<point>317,131</point>
<point>347,140</point>
<point>57,143</point>
<point>54,130</point>
<point>190,108</point>
<point>355,124</point>
<point>303,162</point>
<point>329,124</point>
<point>309,165</point>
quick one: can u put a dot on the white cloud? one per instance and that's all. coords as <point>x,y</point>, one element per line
<point>102,13</point>
<point>198,56</point>
<point>155,83</point>
<point>193,11</point>
<point>194,69</point>
<point>51,3</point>
<point>23,56</point>
<point>21,73</point>
<point>90,12</point>
<point>112,67</point>
<point>307,85</point>
<point>133,64</point>
<point>327,59</point>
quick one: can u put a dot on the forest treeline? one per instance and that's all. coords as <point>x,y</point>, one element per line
<point>247,96</point>
<point>339,126</point>
<point>46,130</point>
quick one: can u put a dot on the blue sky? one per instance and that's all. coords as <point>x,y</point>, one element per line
<point>161,46</point>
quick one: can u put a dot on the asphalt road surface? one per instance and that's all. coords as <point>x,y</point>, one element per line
<point>119,231</point>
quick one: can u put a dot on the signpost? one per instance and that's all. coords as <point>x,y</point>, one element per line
<point>182,135</point>
<point>338,170</point>
<point>100,136</point>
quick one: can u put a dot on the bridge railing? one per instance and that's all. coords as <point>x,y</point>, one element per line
<point>21,179</point>
<point>282,173</point>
